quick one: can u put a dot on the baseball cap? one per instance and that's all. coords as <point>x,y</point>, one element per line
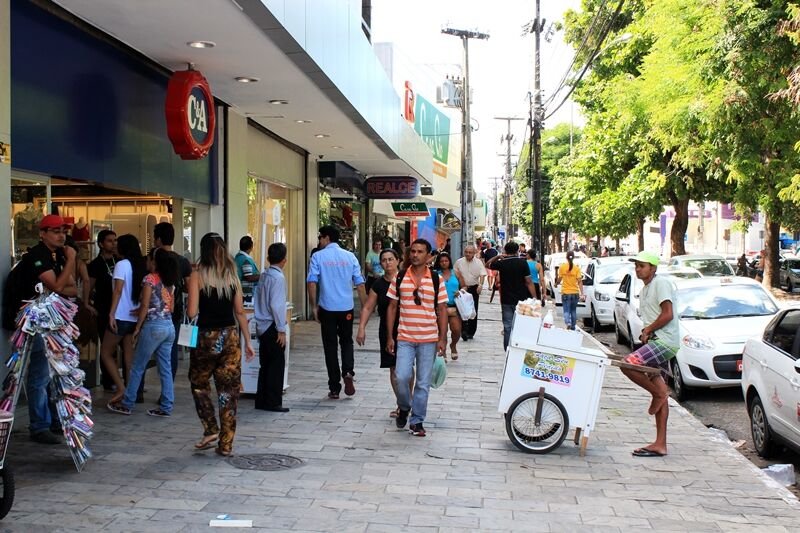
<point>52,221</point>
<point>646,257</point>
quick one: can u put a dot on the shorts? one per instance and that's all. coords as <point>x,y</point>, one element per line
<point>124,327</point>
<point>655,354</point>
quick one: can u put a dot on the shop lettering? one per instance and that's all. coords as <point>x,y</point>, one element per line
<point>197,114</point>
<point>391,187</point>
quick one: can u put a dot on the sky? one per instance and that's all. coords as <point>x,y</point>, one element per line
<point>501,68</point>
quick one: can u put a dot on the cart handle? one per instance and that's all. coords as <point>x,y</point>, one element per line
<point>537,419</point>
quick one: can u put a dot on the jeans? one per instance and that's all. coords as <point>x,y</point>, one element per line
<point>423,353</point>
<point>272,357</point>
<point>155,337</point>
<point>471,326</point>
<point>570,304</point>
<point>508,322</point>
<point>337,325</point>
<point>41,411</point>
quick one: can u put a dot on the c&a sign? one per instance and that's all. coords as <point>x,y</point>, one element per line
<point>190,114</point>
<point>391,187</point>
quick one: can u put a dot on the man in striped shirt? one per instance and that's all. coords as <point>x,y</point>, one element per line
<point>421,333</point>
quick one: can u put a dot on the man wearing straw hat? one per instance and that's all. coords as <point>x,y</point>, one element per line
<point>659,345</point>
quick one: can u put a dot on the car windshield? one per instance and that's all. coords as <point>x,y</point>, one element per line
<point>724,301</point>
<point>684,274</point>
<point>793,264</point>
<point>612,274</point>
<point>710,267</point>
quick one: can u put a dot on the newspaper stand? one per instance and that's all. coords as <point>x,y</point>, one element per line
<point>552,378</point>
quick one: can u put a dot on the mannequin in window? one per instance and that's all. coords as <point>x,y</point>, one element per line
<point>80,231</point>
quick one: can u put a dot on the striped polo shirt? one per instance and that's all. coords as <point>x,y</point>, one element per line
<point>418,322</point>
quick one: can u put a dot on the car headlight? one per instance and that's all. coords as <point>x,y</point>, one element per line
<point>698,342</point>
<point>601,296</point>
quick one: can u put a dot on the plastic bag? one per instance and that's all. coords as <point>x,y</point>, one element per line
<point>439,372</point>
<point>465,305</point>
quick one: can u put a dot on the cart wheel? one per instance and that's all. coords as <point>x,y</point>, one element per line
<point>7,492</point>
<point>537,438</point>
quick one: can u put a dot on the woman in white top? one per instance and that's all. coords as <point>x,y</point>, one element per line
<point>128,275</point>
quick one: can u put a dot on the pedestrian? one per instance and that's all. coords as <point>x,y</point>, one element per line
<point>215,299</point>
<point>52,264</point>
<point>537,275</point>
<point>390,261</point>
<point>372,265</point>
<point>522,251</point>
<point>572,291</point>
<point>419,299</point>
<point>517,284</point>
<point>487,254</point>
<point>246,268</point>
<point>154,333</point>
<point>447,246</point>
<point>128,275</point>
<point>659,345</point>
<point>473,273</point>
<point>98,292</point>
<point>452,283</point>
<point>741,266</point>
<point>269,302</point>
<point>332,274</point>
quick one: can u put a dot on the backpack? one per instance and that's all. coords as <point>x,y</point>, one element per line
<point>16,289</point>
<point>434,279</point>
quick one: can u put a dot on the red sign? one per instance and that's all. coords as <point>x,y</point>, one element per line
<point>409,104</point>
<point>190,114</point>
<point>391,187</point>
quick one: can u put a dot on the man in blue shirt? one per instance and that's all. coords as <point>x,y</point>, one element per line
<point>269,302</point>
<point>335,272</point>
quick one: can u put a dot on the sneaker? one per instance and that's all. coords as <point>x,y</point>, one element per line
<point>417,430</point>
<point>333,395</point>
<point>158,412</point>
<point>349,388</point>
<point>45,437</point>
<point>402,418</point>
<point>118,408</point>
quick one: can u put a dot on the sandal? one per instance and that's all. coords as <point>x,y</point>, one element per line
<point>393,414</point>
<point>118,408</point>
<point>207,442</point>
<point>223,453</point>
<point>453,352</point>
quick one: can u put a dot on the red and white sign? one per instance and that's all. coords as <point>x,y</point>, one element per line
<point>391,187</point>
<point>189,109</point>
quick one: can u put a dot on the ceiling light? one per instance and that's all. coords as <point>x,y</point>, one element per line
<point>279,102</point>
<point>321,135</point>
<point>301,121</point>
<point>201,44</point>
<point>245,79</point>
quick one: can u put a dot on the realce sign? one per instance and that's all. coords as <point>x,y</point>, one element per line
<point>391,187</point>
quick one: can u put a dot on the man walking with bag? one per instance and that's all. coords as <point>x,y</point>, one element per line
<point>421,301</point>
<point>335,272</point>
<point>473,273</point>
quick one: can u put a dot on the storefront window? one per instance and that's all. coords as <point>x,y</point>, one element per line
<point>28,206</point>
<point>267,217</point>
<point>188,234</point>
<point>346,214</point>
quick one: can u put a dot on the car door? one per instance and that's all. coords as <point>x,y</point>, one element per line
<point>621,306</point>
<point>780,377</point>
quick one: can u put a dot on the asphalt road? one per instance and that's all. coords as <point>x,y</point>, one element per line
<point>723,409</point>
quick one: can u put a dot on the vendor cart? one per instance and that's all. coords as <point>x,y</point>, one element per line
<point>552,378</point>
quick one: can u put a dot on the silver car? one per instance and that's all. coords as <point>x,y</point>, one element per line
<point>790,273</point>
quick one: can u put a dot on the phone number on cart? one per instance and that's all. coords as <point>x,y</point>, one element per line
<point>547,376</point>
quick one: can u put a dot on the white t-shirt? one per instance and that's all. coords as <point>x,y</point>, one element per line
<point>124,271</point>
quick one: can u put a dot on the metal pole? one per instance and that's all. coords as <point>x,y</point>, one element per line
<point>467,233</point>
<point>538,116</point>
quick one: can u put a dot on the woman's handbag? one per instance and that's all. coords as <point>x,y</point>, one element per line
<point>465,305</point>
<point>187,335</point>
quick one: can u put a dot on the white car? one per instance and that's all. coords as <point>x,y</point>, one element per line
<point>708,265</point>
<point>551,264</point>
<point>771,381</point>
<point>717,315</point>
<point>600,283</point>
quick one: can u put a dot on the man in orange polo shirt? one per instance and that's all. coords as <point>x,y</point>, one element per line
<point>421,334</point>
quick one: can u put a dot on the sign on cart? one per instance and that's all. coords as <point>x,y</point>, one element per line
<point>548,367</point>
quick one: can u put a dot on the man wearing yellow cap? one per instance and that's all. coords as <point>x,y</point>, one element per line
<point>659,345</point>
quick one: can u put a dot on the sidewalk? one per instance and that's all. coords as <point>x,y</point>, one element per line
<point>361,474</point>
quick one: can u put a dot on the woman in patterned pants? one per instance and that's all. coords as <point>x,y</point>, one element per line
<point>215,298</point>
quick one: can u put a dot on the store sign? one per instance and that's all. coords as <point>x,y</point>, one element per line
<point>410,209</point>
<point>433,127</point>
<point>391,187</point>
<point>190,114</point>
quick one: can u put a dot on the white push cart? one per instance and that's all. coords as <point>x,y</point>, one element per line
<point>552,378</point>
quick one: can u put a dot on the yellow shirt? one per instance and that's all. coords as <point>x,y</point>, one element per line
<point>569,278</point>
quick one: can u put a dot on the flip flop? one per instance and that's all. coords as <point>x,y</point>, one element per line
<point>393,414</point>
<point>206,443</point>
<point>646,452</point>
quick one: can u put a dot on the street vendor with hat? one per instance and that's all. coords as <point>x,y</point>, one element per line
<point>659,344</point>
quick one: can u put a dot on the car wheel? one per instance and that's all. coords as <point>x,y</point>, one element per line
<point>679,388</point>
<point>618,333</point>
<point>760,430</point>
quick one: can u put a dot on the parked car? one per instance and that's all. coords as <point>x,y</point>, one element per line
<point>770,381</point>
<point>716,317</point>
<point>600,281</point>
<point>677,272</point>
<point>789,273</point>
<point>708,265</point>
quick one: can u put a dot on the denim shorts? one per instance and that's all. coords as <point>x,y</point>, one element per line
<point>124,327</point>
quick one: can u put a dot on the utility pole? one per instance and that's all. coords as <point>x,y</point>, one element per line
<point>494,208</point>
<point>507,138</point>
<point>467,215</point>
<point>536,117</point>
